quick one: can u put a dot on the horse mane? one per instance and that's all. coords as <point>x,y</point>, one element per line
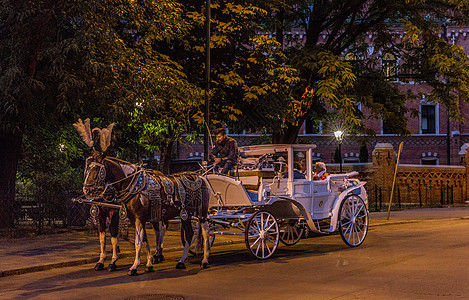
<point>115,168</point>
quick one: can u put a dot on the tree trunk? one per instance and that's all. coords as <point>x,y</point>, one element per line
<point>166,153</point>
<point>288,136</point>
<point>9,156</point>
<point>279,26</point>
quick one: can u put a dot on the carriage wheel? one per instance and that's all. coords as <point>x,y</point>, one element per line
<point>353,220</point>
<point>262,235</point>
<point>291,232</point>
<point>196,249</point>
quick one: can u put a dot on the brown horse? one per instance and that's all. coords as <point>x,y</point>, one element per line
<point>150,196</point>
<point>146,195</point>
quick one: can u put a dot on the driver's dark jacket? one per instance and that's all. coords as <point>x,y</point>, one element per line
<point>227,150</point>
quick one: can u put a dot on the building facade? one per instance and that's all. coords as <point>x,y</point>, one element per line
<point>435,140</point>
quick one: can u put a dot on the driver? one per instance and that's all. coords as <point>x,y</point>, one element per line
<point>225,151</point>
<point>320,171</point>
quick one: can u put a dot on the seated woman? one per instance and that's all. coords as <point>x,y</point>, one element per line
<point>297,174</point>
<point>320,171</point>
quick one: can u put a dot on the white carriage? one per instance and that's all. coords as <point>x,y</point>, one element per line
<point>268,201</point>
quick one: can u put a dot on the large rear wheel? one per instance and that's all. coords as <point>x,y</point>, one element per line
<point>262,235</point>
<point>353,220</point>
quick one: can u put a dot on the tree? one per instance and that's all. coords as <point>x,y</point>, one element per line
<point>64,59</point>
<point>246,68</point>
<point>335,28</point>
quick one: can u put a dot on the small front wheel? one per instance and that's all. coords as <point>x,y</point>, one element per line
<point>291,232</point>
<point>262,235</point>
<point>353,220</point>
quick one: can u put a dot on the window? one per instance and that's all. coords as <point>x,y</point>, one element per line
<point>312,126</point>
<point>428,119</point>
<point>429,161</point>
<point>386,127</point>
<point>352,59</point>
<point>389,66</point>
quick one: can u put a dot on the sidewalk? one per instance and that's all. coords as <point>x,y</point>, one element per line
<point>31,254</point>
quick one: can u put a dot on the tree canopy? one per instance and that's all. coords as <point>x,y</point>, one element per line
<point>67,59</point>
<point>409,30</point>
<point>141,63</point>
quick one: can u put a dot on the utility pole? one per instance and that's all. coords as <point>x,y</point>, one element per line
<point>207,78</point>
<point>448,140</point>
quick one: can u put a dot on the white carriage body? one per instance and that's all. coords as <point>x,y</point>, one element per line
<point>319,198</point>
<point>257,189</point>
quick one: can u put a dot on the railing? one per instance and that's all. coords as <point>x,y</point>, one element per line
<point>421,186</point>
<point>55,213</point>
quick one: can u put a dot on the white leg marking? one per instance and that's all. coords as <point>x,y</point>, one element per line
<point>115,256</point>
<point>205,232</point>
<point>185,253</point>
<point>187,246</point>
<point>102,243</point>
<point>147,249</point>
<point>159,239</point>
<point>138,243</point>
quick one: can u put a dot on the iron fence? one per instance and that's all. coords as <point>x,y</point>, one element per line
<point>406,196</point>
<point>34,215</point>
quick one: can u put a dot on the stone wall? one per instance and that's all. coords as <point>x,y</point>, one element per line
<point>416,185</point>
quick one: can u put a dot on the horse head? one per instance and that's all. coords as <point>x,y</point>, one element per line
<point>97,177</point>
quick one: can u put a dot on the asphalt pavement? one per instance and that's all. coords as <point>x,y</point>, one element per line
<point>32,254</point>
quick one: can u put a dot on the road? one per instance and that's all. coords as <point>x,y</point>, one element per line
<point>421,260</point>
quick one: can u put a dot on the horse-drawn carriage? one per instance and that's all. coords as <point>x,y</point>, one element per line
<point>269,201</point>
<point>266,198</point>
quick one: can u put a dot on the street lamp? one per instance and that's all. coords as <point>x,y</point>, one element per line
<point>207,77</point>
<point>339,136</point>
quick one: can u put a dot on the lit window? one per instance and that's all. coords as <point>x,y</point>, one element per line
<point>352,59</point>
<point>428,119</point>
<point>389,66</point>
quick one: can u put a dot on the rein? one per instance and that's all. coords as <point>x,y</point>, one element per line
<point>101,177</point>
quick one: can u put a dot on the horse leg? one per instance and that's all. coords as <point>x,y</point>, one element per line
<point>188,234</point>
<point>114,230</point>
<point>139,235</point>
<point>160,230</point>
<point>149,265</point>
<point>102,241</point>
<point>206,234</point>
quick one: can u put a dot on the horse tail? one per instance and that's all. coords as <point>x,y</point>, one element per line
<point>205,199</point>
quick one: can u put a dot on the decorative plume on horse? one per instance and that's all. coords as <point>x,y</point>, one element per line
<point>146,195</point>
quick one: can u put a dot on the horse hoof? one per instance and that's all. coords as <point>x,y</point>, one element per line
<point>112,267</point>
<point>132,272</point>
<point>99,266</point>
<point>149,269</point>
<point>180,265</point>
<point>204,265</point>
<point>157,258</point>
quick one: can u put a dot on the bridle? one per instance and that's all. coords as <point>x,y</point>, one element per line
<point>99,184</point>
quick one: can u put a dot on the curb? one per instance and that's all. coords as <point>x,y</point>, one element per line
<point>178,248</point>
<point>85,261</point>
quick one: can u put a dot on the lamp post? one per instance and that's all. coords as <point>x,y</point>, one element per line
<point>339,136</point>
<point>207,77</point>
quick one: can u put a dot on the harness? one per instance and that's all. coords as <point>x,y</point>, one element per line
<point>178,190</point>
